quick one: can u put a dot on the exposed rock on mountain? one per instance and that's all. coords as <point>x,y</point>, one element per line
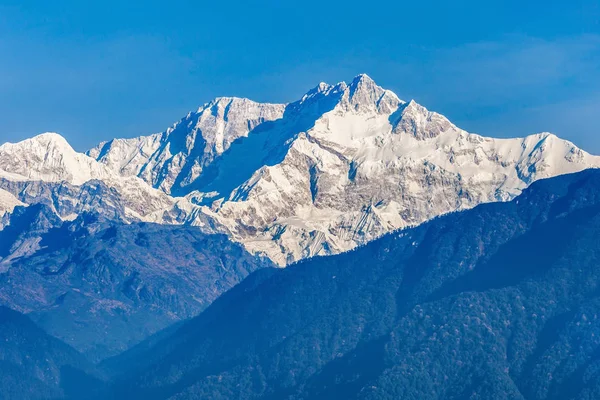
<point>178,156</point>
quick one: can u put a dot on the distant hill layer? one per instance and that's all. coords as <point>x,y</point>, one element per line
<point>102,286</point>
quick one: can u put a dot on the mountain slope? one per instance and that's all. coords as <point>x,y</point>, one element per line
<point>178,156</point>
<point>103,286</point>
<point>7,202</point>
<point>338,168</point>
<point>48,157</point>
<point>34,365</point>
<point>497,302</point>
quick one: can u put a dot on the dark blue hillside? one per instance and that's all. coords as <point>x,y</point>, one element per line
<point>499,302</point>
<point>34,365</point>
<point>102,286</point>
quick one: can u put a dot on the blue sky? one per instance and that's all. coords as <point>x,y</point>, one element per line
<point>96,70</point>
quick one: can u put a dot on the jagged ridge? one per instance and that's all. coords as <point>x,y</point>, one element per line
<point>341,166</point>
<point>349,162</point>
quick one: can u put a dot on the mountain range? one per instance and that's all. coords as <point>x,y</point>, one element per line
<point>498,302</point>
<point>421,260</point>
<point>336,169</point>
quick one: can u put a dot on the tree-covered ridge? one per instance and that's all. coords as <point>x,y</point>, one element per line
<point>103,286</point>
<point>497,302</point>
<point>35,365</point>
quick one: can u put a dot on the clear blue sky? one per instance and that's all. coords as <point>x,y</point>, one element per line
<point>96,70</point>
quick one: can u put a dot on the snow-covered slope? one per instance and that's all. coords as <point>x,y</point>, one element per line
<point>8,202</point>
<point>46,169</point>
<point>175,158</point>
<point>48,157</point>
<point>341,166</point>
<point>373,163</point>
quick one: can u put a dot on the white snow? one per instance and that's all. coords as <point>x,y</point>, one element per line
<point>49,158</point>
<point>194,142</point>
<point>8,202</point>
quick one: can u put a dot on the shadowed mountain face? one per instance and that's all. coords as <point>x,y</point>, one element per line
<point>34,365</point>
<point>499,302</point>
<point>102,286</point>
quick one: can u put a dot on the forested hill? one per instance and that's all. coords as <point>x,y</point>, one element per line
<point>499,302</point>
<point>35,365</point>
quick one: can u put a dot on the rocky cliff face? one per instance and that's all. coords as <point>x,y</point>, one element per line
<point>334,170</point>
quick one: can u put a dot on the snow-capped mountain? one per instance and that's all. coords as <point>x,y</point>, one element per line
<point>46,169</point>
<point>340,167</point>
<point>336,169</point>
<point>172,160</point>
<point>49,158</point>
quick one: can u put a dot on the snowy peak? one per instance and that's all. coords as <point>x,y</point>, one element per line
<point>421,123</point>
<point>363,90</point>
<point>48,157</point>
<point>363,79</point>
<point>363,95</point>
<point>545,155</point>
<point>50,139</point>
<point>321,90</point>
<point>363,84</point>
<point>44,142</point>
<point>175,158</point>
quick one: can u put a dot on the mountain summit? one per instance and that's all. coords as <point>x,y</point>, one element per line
<point>338,168</point>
